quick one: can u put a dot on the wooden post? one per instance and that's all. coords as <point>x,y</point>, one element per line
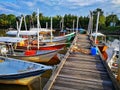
<point>97,26</point>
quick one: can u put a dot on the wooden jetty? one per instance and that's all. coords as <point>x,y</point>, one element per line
<point>81,71</point>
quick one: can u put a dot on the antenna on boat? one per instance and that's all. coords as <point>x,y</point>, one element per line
<point>38,26</point>
<point>98,14</point>
<point>51,34</point>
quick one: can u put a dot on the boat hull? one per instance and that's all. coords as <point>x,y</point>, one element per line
<point>16,68</point>
<point>62,39</point>
<point>45,47</point>
<point>43,58</point>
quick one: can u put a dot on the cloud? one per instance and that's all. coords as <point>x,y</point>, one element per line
<point>29,3</point>
<point>82,2</point>
<point>8,11</point>
<point>117,2</point>
<point>9,8</point>
<point>9,4</point>
<point>71,2</point>
<point>55,7</point>
<point>2,9</point>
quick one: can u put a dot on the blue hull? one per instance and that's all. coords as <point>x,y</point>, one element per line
<point>16,69</point>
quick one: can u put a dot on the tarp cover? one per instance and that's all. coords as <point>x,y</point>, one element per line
<point>11,39</point>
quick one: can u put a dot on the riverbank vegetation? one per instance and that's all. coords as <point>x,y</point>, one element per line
<point>109,23</point>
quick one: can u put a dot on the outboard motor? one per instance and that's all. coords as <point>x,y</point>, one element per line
<point>3,50</point>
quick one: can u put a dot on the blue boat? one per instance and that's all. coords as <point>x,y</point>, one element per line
<point>15,69</point>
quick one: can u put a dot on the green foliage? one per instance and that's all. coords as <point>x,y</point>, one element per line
<point>112,18</point>
<point>7,21</point>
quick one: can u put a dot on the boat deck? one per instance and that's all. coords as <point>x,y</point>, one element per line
<point>80,71</point>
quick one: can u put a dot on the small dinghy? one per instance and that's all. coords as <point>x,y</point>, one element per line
<point>15,69</point>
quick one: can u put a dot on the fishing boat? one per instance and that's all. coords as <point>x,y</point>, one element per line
<point>32,41</point>
<point>43,46</point>
<point>110,56</point>
<point>7,49</point>
<point>15,69</point>
<point>61,39</point>
<point>34,55</point>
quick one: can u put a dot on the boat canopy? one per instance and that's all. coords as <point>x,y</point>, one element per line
<point>98,34</point>
<point>11,39</point>
<point>41,29</point>
<point>28,33</point>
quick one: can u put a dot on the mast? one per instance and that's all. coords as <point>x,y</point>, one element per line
<point>25,23</point>
<point>62,23</point>
<point>38,25</point>
<point>90,25</point>
<point>77,24</point>
<point>18,30</point>
<point>51,34</point>
<point>46,25</point>
<point>73,25</point>
<point>17,24</point>
<point>97,26</point>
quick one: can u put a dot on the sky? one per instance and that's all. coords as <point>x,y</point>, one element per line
<point>59,7</point>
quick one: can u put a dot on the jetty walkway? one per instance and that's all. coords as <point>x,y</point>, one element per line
<point>81,71</point>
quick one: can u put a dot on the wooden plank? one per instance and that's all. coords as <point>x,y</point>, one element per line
<point>80,84</point>
<point>74,59</point>
<point>56,72</point>
<point>83,56</point>
<point>80,60</point>
<point>76,77</point>
<point>86,70</point>
<point>75,65</point>
<point>84,74</point>
<point>80,71</point>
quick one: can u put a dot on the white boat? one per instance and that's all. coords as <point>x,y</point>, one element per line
<point>7,49</point>
<point>63,38</point>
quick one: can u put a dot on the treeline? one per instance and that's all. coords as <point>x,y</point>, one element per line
<point>9,21</point>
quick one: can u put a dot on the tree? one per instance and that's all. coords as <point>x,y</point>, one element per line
<point>11,20</point>
<point>3,21</point>
<point>112,18</point>
<point>102,18</point>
